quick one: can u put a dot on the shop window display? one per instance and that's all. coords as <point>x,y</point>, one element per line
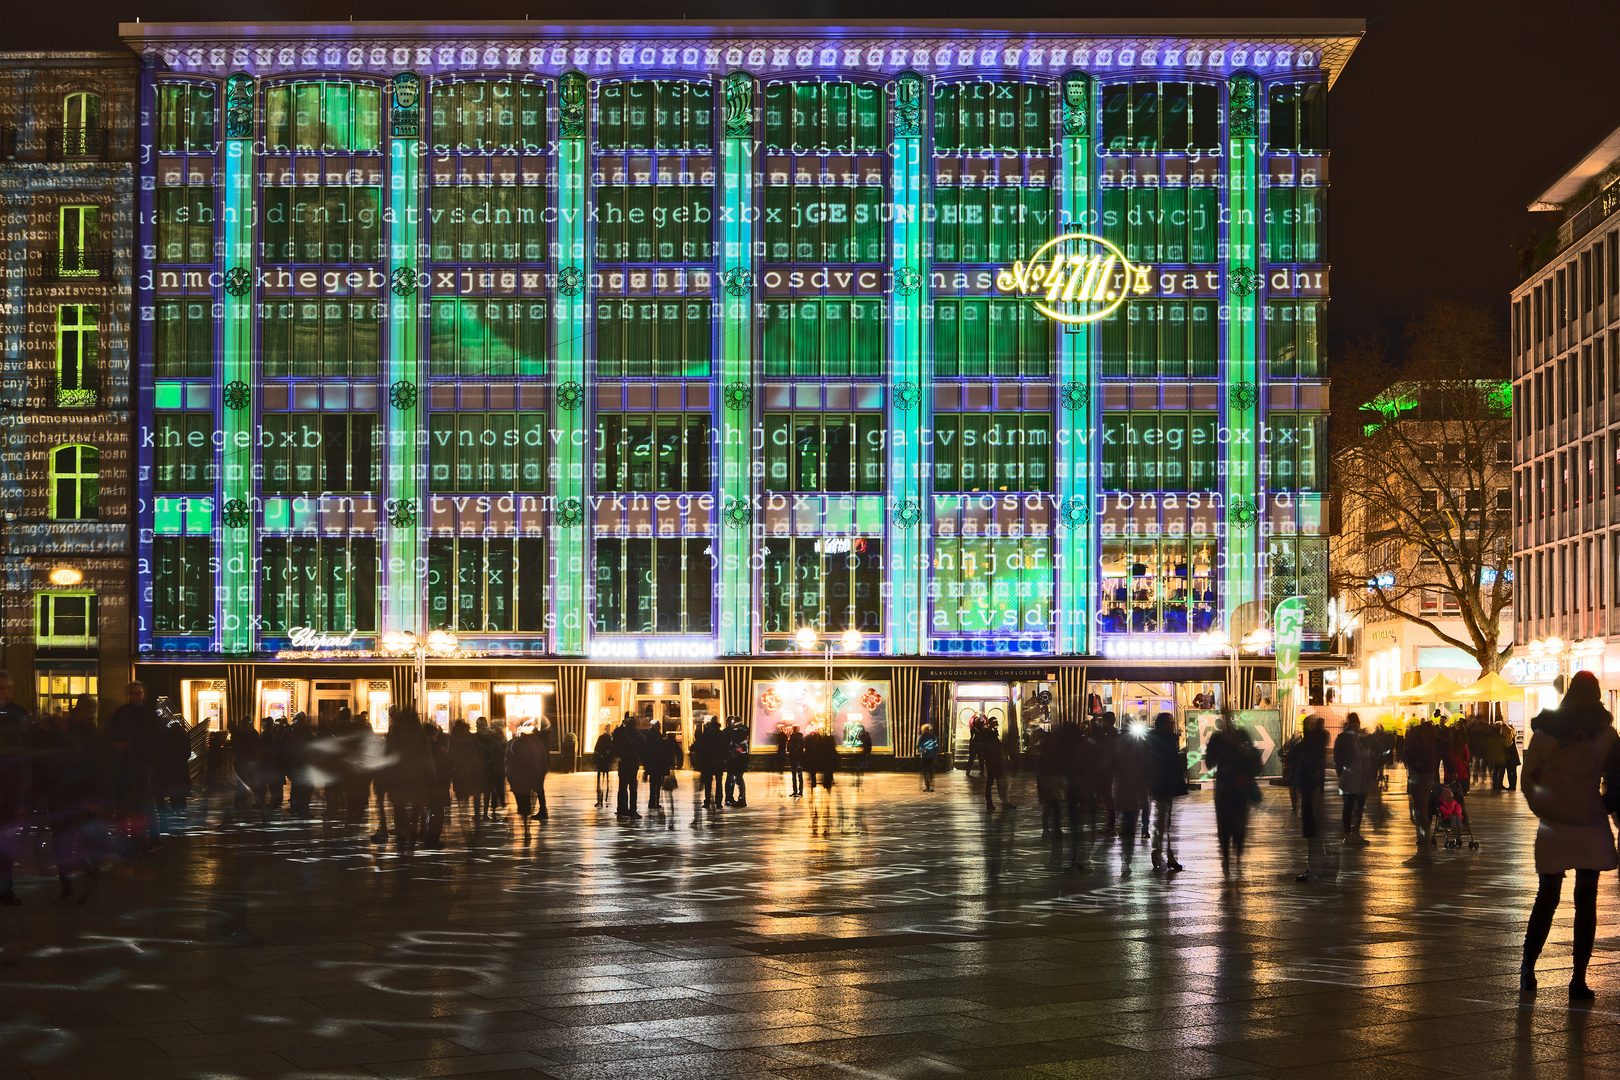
<point>1156,586</point>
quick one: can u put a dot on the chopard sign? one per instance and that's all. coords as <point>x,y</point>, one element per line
<point>306,637</point>
<point>1076,278</point>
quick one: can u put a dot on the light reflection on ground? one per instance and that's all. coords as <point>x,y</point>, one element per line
<point>891,934</point>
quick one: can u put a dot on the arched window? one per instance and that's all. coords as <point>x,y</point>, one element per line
<point>81,125</point>
<point>75,482</point>
<point>77,337</point>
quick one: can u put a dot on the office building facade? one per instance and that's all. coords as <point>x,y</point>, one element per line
<point>990,354</point>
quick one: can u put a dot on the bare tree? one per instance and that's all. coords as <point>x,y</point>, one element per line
<point>1422,472</point>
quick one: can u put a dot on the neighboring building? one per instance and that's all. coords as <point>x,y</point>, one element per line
<point>1463,497</point>
<point>628,352</point>
<point>68,129</point>
<point>1565,332</point>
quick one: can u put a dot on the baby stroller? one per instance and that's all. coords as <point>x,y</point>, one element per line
<point>1449,816</point>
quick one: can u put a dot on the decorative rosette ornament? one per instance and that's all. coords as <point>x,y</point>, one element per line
<point>1241,513</point>
<point>402,282</point>
<point>907,514</point>
<point>907,395</point>
<point>238,281</point>
<point>907,280</point>
<point>739,395</point>
<point>570,395</point>
<point>571,512</point>
<point>738,281</point>
<point>570,281</point>
<point>770,699</point>
<point>236,513</point>
<point>871,699</point>
<point>1244,395</point>
<point>1075,396</point>
<point>737,515</point>
<point>1244,280</point>
<point>1241,115</point>
<point>237,395</point>
<point>1074,512</point>
<point>401,512</point>
<point>402,395</point>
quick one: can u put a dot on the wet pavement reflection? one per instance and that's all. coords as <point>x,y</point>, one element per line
<point>881,932</point>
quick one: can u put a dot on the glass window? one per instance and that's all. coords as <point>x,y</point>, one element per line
<point>823,223</point>
<point>489,114</point>
<point>1156,586</point>
<point>824,337</point>
<point>79,241</point>
<point>992,116</point>
<point>81,125</point>
<point>77,345</point>
<point>828,583</point>
<point>653,452</point>
<point>824,451</point>
<point>183,338</point>
<point>647,586</point>
<point>824,117</point>
<point>310,452</point>
<point>1148,117</point>
<point>1296,227</point>
<point>1159,451</point>
<point>668,336</point>
<point>182,585</point>
<point>185,119</point>
<point>315,337</point>
<point>1292,340</point>
<point>314,117</point>
<point>1296,118</point>
<point>183,224</point>
<point>655,223</point>
<point>75,482</point>
<point>328,584</point>
<point>487,451</point>
<point>183,452</point>
<point>999,451</point>
<point>992,584</point>
<point>990,224</point>
<point>1150,338</point>
<point>654,115</point>
<point>493,585</point>
<point>494,336</point>
<point>68,620</point>
<point>503,223</point>
<point>1162,225</point>
<point>976,338</point>
<point>322,224</point>
<point>1295,452</point>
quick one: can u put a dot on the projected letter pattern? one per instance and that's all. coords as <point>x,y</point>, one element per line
<point>554,346</point>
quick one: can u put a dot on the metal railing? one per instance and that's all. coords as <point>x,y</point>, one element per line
<point>1588,217</point>
<point>84,142</point>
<point>73,264</point>
<point>74,390</point>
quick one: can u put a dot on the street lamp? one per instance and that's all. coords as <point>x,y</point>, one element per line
<point>1217,641</point>
<point>809,641</point>
<point>406,643</point>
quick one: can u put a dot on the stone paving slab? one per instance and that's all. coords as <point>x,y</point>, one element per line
<point>891,934</point>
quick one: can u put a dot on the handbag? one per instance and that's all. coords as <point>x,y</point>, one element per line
<point>669,782</point>
<point>1255,795</point>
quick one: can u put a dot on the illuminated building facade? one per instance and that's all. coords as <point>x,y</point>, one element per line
<point>1565,341</point>
<point>627,353</point>
<point>68,138</point>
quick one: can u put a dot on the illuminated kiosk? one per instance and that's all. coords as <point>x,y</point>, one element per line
<point>625,353</point>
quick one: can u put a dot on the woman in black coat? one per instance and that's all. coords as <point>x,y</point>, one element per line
<point>1167,782</point>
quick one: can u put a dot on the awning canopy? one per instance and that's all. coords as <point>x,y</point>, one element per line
<point>1491,687</point>
<point>1438,688</point>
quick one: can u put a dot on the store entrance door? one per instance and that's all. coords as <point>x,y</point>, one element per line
<point>991,699</point>
<point>1142,703</point>
<point>328,698</point>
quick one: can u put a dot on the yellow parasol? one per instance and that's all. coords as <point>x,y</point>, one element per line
<point>1491,687</point>
<point>1439,688</point>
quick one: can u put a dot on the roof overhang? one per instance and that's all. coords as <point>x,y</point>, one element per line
<point>1598,159</point>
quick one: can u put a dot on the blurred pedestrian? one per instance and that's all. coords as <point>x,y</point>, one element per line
<point>72,779</point>
<point>1231,755</point>
<point>1168,782</point>
<point>709,755</point>
<point>627,750</point>
<point>298,752</point>
<point>1309,774</point>
<point>1352,761</point>
<point>131,737</point>
<point>1572,783</point>
<point>528,760</point>
<point>602,760</point>
<point>468,773</point>
<point>411,781</point>
<point>795,756</point>
<point>993,766</point>
<point>492,744</point>
<point>1131,764</point>
<point>655,763</point>
<point>927,757</point>
<point>1421,755</point>
<point>737,753</point>
<point>1510,756</point>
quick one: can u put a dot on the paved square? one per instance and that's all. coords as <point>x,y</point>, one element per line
<point>903,935</point>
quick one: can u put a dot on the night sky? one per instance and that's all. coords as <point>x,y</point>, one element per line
<point>1451,116</point>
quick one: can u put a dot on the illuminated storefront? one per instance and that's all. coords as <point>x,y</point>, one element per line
<point>627,356</point>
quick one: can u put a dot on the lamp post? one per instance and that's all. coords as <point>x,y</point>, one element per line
<point>809,641</point>
<point>1255,641</point>
<point>407,643</point>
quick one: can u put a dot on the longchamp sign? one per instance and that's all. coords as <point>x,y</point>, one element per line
<point>1076,278</point>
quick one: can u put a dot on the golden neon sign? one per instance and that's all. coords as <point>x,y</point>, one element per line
<point>1076,278</point>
